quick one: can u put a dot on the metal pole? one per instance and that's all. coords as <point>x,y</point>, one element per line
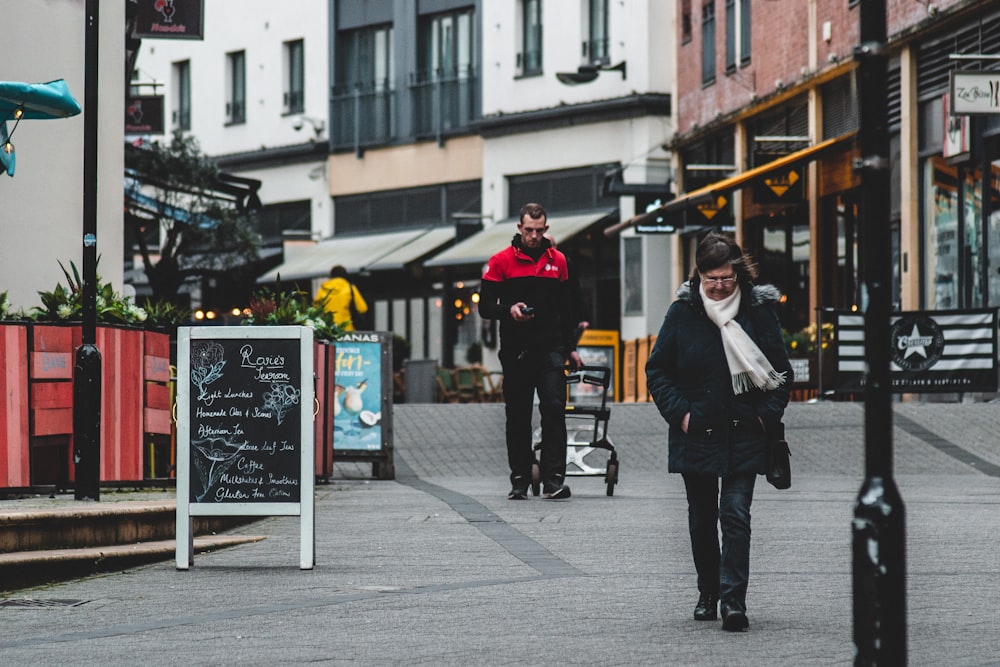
<point>878,526</point>
<point>87,371</point>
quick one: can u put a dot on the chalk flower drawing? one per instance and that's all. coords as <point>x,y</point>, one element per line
<point>217,456</point>
<point>206,365</point>
<point>280,399</point>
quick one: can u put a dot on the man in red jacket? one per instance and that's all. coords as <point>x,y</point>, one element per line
<point>526,287</point>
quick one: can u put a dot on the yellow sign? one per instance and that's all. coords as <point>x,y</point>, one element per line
<point>597,347</point>
<point>780,183</point>
<point>711,209</point>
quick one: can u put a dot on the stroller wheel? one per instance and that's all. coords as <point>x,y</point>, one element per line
<point>611,477</point>
<point>536,479</point>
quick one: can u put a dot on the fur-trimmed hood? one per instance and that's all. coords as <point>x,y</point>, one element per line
<point>759,294</point>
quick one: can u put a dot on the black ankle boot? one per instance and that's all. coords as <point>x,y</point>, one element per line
<point>707,607</point>
<point>734,616</point>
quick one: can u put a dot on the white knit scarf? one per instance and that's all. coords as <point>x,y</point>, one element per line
<point>748,365</point>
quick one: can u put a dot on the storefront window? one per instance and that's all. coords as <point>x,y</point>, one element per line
<point>972,195</point>
<point>994,232</point>
<point>941,188</point>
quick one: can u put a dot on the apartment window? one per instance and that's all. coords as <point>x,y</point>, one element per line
<point>529,60</point>
<point>731,36</point>
<point>274,220</point>
<point>744,6</point>
<point>181,114</point>
<point>737,34</point>
<point>597,48</point>
<point>687,30</point>
<point>708,42</point>
<point>236,92</point>
<point>445,91</point>
<point>363,84</point>
<point>294,74</point>
<point>633,276</point>
<point>414,208</point>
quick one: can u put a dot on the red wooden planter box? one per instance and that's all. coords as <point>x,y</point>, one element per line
<point>324,366</point>
<point>121,403</point>
<point>51,389</point>
<point>156,373</point>
<point>15,469</point>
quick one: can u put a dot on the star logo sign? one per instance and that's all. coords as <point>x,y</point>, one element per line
<point>914,343</point>
<point>917,343</point>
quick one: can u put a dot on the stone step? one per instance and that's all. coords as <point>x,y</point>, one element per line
<point>28,568</point>
<point>44,541</point>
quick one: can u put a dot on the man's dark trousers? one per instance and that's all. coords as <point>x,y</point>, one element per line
<point>523,374</point>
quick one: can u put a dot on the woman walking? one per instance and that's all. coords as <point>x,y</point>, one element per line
<point>719,374</point>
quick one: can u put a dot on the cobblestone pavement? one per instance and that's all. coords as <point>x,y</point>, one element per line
<point>438,568</point>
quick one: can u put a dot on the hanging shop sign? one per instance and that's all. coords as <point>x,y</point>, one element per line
<point>975,92</point>
<point>717,207</point>
<point>780,186</point>
<point>144,114</point>
<point>170,19</point>
<point>956,142</point>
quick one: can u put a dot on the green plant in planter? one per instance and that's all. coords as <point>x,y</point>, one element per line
<point>804,342</point>
<point>7,312</point>
<point>66,303</point>
<point>295,308</point>
<point>165,314</point>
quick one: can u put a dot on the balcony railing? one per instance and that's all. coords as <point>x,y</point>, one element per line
<point>363,114</point>
<point>444,101</point>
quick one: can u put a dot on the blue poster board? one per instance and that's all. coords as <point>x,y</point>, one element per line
<point>362,410</point>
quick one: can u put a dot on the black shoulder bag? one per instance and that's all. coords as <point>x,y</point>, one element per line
<point>779,465</point>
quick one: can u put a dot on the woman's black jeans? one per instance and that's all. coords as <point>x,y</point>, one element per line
<point>724,571</point>
<point>522,376</point>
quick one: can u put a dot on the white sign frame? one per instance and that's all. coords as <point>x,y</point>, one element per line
<point>305,508</point>
<point>976,93</point>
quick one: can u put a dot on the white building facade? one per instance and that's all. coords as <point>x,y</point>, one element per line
<point>42,212</point>
<point>436,120</point>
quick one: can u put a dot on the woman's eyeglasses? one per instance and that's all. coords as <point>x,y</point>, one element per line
<point>720,282</point>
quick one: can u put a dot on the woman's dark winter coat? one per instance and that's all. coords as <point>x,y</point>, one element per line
<point>687,372</point>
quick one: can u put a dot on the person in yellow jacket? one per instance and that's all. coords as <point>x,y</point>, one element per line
<point>336,296</point>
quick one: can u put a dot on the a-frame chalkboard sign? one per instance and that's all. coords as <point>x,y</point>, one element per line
<point>245,428</point>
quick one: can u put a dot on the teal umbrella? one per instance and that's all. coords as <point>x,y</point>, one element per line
<point>31,101</point>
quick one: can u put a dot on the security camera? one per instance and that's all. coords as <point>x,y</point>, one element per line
<point>298,123</point>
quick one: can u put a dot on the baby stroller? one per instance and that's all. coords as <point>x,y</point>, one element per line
<point>586,430</point>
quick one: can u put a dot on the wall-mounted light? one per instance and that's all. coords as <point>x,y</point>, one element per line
<point>587,73</point>
<point>318,124</point>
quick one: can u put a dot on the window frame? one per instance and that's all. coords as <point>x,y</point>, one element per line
<point>529,58</point>
<point>708,54</point>
<point>181,113</point>
<point>294,93</point>
<point>236,87</point>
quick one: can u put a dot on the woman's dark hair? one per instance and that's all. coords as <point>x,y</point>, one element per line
<point>716,250</point>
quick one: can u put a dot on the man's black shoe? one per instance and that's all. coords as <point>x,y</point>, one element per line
<point>518,493</point>
<point>555,491</point>
<point>707,607</point>
<point>734,616</point>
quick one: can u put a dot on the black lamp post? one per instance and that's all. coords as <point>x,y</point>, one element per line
<point>878,526</point>
<point>87,370</point>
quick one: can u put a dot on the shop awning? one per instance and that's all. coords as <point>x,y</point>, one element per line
<point>479,247</point>
<point>709,194</point>
<point>354,253</point>
<point>421,246</point>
